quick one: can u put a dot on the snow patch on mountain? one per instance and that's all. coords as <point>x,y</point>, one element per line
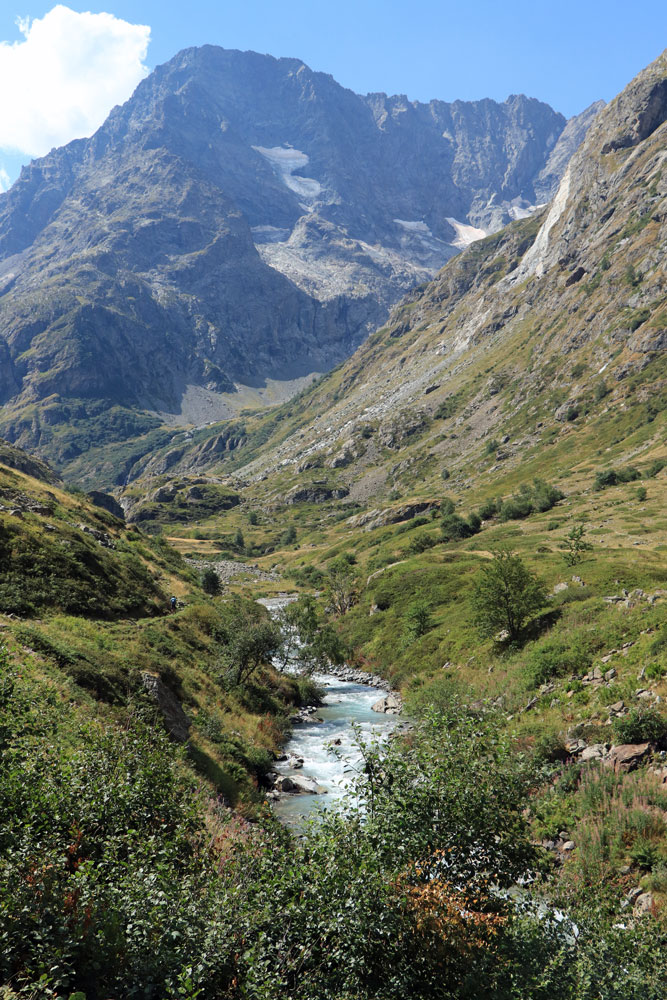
<point>413,227</point>
<point>465,233</point>
<point>285,160</point>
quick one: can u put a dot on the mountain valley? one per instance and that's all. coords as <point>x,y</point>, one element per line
<point>463,502</point>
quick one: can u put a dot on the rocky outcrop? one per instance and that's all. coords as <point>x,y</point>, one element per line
<point>18,459</point>
<point>628,756</point>
<point>316,494</point>
<point>107,502</point>
<point>176,721</point>
<point>568,143</point>
<point>371,519</point>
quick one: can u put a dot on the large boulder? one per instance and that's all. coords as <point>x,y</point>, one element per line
<point>392,515</point>
<point>306,785</point>
<point>389,705</point>
<point>627,756</point>
<point>107,502</point>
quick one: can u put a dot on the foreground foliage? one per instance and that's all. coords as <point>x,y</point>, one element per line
<point>120,877</point>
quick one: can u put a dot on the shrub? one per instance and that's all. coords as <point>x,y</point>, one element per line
<point>453,528</point>
<point>641,725</point>
<point>421,543</point>
<point>487,510</point>
<point>557,657</point>
<point>417,620</point>
<point>516,508</point>
<point>383,600</point>
<point>474,522</point>
<point>611,477</point>
<point>536,498</point>
<point>288,536</point>
<point>575,544</point>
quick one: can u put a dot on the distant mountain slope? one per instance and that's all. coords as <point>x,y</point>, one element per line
<point>552,332</point>
<point>239,218</point>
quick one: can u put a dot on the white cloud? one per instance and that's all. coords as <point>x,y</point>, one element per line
<point>60,82</point>
<point>4,179</point>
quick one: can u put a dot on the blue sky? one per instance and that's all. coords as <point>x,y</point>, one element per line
<point>567,54</point>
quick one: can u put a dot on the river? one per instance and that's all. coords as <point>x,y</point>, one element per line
<point>346,707</point>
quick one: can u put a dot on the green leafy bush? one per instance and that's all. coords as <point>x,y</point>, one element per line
<point>505,596</point>
<point>557,657</point>
<point>640,725</point>
<point>536,498</point>
<point>611,477</point>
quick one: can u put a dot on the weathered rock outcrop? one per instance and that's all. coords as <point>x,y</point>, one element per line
<point>175,719</point>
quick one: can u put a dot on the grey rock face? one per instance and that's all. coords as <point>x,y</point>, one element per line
<point>240,218</point>
<point>568,143</point>
<point>175,719</point>
<point>108,503</point>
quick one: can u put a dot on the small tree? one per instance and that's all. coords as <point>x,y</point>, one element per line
<point>252,644</point>
<point>417,620</point>
<point>506,595</point>
<point>576,544</point>
<point>342,590</point>
<point>210,582</point>
<point>288,536</point>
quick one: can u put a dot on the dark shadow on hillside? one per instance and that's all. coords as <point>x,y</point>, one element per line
<point>211,770</point>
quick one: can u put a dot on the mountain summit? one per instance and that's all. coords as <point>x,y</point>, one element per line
<point>240,218</point>
<point>545,342</point>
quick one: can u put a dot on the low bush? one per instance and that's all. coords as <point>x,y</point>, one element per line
<point>641,725</point>
<point>612,477</point>
<point>536,498</point>
<point>557,657</point>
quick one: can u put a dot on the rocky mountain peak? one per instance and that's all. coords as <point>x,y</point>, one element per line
<point>240,219</point>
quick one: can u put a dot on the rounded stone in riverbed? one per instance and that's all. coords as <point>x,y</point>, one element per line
<point>389,705</point>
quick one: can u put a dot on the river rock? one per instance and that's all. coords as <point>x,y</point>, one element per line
<point>389,705</point>
<point>308,786</point>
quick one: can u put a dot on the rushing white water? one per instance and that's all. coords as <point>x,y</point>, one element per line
<point>346,707</point>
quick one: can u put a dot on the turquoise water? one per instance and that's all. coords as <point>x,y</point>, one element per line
<point>345,704</point>
<point>346,707</point>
